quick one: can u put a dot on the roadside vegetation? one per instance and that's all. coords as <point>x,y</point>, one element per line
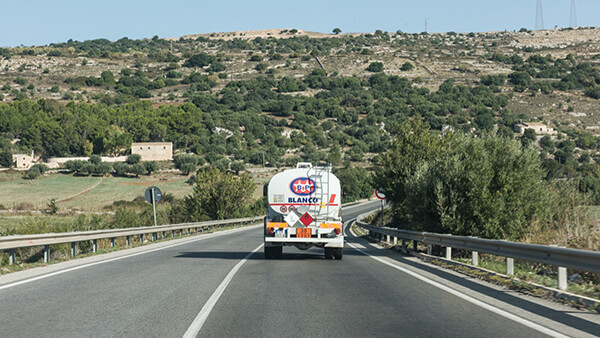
<point>489,186</point>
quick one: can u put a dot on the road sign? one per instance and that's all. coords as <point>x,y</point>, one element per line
<point>150,191</point>
<point>379,193</point>
<point>153,195</point>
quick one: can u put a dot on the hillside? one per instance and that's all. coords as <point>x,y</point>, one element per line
<point>289,94</point>
<point>464,57</point>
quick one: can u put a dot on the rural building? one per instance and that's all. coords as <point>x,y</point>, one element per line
<point>540,128</point>
<point>23,161</point>
<point>153,151</point>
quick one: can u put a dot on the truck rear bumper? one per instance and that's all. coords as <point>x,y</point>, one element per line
<point>337,242</point>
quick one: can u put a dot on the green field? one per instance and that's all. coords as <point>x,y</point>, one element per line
<point>83,193</point>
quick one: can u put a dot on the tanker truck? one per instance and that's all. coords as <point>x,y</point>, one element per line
<point>304,210</point>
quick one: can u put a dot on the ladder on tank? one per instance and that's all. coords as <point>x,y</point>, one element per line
<point>321,177</point>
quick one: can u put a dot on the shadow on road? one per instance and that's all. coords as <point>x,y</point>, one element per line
<point>289,256</point>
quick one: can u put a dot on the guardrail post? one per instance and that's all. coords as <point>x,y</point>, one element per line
<point>172,233</point>
<point>415,245</point>
<point>141,238</point>
<point>112,242</point>
<point>127,240</point>
<point>388,238</point>
<point>189,231</point>
<point>164,234</point>
<point>396,240</point>
<point>475,258</point>
<point>510,266</point>
<point>46,253</point>
<point>153,236</point>
<point>403,244</point>
<point>11,257</point>
<point>196,230</point>
<point>73,249</point>
<point>562,278</point>
<point>448,253</point>
<point>429,249</point>
<point>95,245</point>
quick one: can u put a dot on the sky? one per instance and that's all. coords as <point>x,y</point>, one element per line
<point>41,22</point>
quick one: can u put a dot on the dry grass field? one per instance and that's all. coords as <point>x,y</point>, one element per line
<point>83,193</point>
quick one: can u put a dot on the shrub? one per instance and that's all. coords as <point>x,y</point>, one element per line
<point>133,159</point>
<point>186,163</point>
<point>120,169</point>
<point>487,186</point>
<point>35,171</point>
<point>150,166</point>
<point>218,195</point>
<point>375,67</point>
<point>6,159</point>
<point>95,159</point>
<point>32,173</point>
<point>407,66</point>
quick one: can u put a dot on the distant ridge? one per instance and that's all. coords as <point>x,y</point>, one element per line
<point>265,33</point>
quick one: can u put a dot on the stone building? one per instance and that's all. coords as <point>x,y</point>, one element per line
<point>539,128</point>
<point>153,151</point>
<point>23,161</point>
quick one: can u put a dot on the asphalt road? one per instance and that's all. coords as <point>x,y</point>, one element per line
<point>159,290</point>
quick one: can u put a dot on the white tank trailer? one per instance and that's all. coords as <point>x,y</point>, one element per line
<point>304,210</point>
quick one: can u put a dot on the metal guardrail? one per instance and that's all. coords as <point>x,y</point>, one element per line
<point>561,257</point>
<point>10,243</point>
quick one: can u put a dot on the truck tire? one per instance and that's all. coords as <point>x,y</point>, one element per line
<point>329,253</point>
<point>338,253</point>
<point>268,252</point>
<point>277,251</point>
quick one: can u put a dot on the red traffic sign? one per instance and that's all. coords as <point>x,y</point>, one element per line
<point>306,219</point>
<point>379,194</point>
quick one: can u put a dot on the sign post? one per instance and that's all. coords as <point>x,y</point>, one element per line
<point>153,195</point>
<point>380,193</point>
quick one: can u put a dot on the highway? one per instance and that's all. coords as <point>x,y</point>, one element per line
<point>214,286</point>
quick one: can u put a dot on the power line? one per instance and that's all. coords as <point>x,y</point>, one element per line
<point>539,16</point>
<point>573,17</point>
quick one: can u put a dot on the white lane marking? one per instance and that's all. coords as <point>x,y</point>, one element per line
<point>29,280</point>
<point>470,299</point>
<point>197,324</point>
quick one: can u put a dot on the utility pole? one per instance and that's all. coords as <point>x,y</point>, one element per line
<point>573,16</point>
<point>425,25</point>
<point>539,16</point>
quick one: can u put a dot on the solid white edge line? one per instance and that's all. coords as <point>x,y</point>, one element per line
<point>32,279</point>
<point>198,322</point>
<point>470,299</point>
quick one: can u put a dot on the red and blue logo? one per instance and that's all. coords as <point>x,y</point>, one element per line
<point>303,186</point>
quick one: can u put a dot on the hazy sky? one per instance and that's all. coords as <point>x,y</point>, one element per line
<point>40,22</point>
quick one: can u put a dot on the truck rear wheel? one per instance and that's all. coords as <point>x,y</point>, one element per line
<point>338,253</point>
<point>329,253</point>
<point>277,251</point>
<point>268,252</point>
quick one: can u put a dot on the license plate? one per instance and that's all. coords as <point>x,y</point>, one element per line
<point>303,233</point>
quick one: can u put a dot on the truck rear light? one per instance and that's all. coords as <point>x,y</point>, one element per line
<point>337,231</point>
<point>271,230</point>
